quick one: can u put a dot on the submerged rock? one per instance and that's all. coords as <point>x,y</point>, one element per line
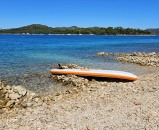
<point>21,90</point>
<point>102,54</point>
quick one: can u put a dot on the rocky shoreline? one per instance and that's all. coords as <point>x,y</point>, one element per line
<point>85,104</point>
<point>144,59</point>
<point>20,97</point>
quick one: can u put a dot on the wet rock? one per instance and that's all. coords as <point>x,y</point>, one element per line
<point>134,54</point>
<point>152,53</point>
<point>71,66</point>
<point>102,54</point>
<point>139,54</point>
<point>21,90</point>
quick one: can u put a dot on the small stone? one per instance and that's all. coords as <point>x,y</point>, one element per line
<point>39,103</point>
<point>14,96</point>
<point>6,95</point>
<point>10,103</point>
<point>58,98</point>
<point>152,53</point>
<point>2,95</point>
<point>21,90</point>
<point>134,54</point>
<point>1,85</point>
<point>137,103</point>
<point>3,102</point>
<point>8,87</point>
<point>4,110</point>
<point>29,104</point>
<point>36,99</point>
<point>45,98</point>
<point>139,54</point>
<point>32,94</point>
<point>75,90</point>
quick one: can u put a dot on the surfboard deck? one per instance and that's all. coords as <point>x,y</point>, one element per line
<point>96,73</point>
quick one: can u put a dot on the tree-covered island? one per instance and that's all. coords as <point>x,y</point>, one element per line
<point>42,29</point>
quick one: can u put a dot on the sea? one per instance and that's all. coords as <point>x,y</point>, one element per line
<point>36,54</point>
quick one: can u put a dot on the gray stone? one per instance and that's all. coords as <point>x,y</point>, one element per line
<point>21,90</point>
<point>152,53</point>
<point>139,54</point>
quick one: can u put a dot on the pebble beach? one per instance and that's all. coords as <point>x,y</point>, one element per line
<point>86,104</point>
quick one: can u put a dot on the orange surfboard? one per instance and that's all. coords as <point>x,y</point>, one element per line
<point>96,73</point>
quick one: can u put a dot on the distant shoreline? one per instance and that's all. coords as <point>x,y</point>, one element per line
<point>43,29</point>
<point>73,34</point>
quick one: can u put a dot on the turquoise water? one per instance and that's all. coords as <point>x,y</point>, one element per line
<point>21,54</point>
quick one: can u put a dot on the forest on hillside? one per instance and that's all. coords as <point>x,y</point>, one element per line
<point>42,29</point>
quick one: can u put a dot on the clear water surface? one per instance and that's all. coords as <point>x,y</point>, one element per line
<point>20,54</point>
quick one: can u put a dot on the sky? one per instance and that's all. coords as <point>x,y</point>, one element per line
<point>141,14</point>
